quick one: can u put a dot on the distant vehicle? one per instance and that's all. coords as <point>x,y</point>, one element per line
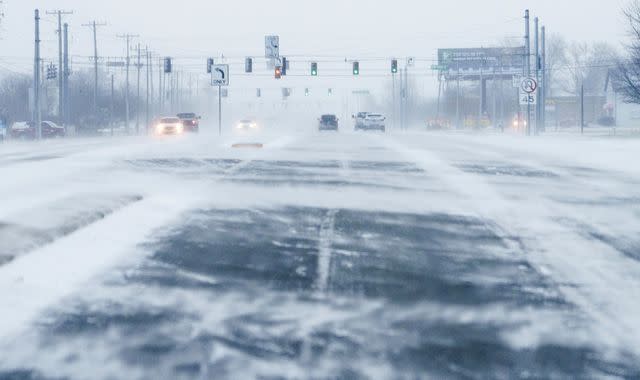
<point>359,119</point>
<point>168,126</point>
<point>328,123</point>
<point>372,121</point>
<point>3,131</point>
<point>25,130</point>
<point>51,130</point>
<point>22,130</point>
<point>190,122</point>
<point>247,125</point>
<point>438,124</point>
<point>519,123</point>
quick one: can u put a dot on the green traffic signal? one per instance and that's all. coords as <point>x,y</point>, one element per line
<point>356,68</point>
<point>314,69</point>
<point>394,66</point>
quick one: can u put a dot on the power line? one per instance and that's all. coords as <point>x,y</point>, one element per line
<point>94,25</point>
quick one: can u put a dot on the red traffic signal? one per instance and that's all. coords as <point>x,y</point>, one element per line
<point>278,72</point>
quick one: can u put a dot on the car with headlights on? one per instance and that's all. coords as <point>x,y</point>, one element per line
<point>247,125</point>
<point>168,126</point>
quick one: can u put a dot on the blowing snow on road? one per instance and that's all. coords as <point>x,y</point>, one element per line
<point>347,255</point>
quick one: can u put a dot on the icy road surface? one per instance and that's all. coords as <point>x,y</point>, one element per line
<point>400,256</point>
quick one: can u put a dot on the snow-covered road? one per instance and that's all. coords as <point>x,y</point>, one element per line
<point>348,255</point>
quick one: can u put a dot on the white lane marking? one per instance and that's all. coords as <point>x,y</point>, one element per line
<point>327,229</point>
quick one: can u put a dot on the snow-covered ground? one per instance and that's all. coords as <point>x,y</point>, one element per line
<point>348,255</point>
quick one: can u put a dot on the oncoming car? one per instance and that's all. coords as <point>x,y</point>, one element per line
<point>168,126</point>
<point>247,125</point>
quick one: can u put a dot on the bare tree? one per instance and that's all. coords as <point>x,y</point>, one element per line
<point>556,59</point>
<point>628,74</point>
<point>14,96</point>
<point>587,65</point>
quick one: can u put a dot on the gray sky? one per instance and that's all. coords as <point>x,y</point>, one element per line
<point>349,28</point>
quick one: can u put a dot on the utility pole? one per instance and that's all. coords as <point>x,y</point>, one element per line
<point>61,106</point>
<point>582,108</point>
<point>537,63</point>
<point>458,99</point>
<point>527,52</point>
<point>148,84</point>
<point>393,107</point>
<point>128,38</point>
<point>160,90</point>
<point>94,25</point>
<point>138,66</point>
<point>543,110</point>
<point>65,81</point>
<point>37,117</point>
<point>113,105</point>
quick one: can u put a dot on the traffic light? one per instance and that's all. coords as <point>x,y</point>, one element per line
<point>168,65</point>
<point>306,92</point>
<point>278,73</point>
<point>52,71</point>
<point>394,66</point>
<point>285,65</point>
<point>330,91</point>
<point>248,65</point>
<point>314,69</point>
<point>258,93</point>
<point>356,68</point>
<point>209,65</point>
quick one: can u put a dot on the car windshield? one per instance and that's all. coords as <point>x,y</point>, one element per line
<point>320,190</point>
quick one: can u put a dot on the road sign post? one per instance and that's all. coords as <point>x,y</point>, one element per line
<point>220,78</point>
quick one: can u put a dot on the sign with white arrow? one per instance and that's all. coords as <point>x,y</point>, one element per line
<point>272,47</point>
<point>220,75</point>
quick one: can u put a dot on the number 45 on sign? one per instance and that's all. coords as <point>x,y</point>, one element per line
<point>528,99</point>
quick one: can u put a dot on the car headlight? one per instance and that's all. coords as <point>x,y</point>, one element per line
<point>159,128</point>
<point>254,125</point>
<point>180,127</point>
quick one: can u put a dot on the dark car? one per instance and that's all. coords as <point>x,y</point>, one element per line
<point>27,130</point>
<point>328,123</point>
<point>190,122</point>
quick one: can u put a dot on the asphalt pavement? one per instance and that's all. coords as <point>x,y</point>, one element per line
<point>321,256</point>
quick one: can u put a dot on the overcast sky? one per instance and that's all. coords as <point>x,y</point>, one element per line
<point>349,28</point>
